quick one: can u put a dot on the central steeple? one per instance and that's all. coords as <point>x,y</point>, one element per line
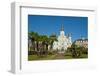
<point>62,27</point>
<point>62,31</point>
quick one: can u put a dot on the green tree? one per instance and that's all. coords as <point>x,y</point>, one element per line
<point>76,51</point>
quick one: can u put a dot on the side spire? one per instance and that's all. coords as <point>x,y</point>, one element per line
<point>70,34</point>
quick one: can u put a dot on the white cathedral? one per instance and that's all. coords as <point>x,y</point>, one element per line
<point>63,42</point>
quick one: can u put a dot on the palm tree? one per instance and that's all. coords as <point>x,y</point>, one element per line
<point>33,37</point>
<point>41,42</point>
<point>52,38</point>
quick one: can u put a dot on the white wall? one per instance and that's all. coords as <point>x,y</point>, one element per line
<point>5,33</point>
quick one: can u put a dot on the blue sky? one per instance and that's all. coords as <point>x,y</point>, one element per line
<point>47,25</point>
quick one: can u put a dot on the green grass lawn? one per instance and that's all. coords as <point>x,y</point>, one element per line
<point>53,57</point>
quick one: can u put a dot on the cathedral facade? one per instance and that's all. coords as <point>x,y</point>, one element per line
<point>63,42</point>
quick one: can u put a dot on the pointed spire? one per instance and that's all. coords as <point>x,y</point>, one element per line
<point>69,35</point>
<point>62,27</point>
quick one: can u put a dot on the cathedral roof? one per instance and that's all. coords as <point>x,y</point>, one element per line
<point>82,40</point>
